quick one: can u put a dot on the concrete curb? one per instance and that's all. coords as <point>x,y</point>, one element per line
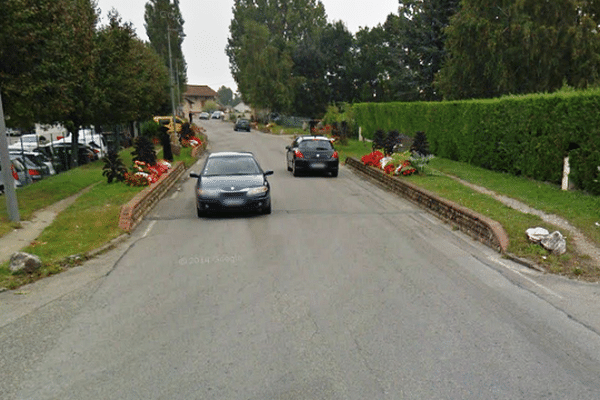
<point>133,212</point>
<point>476,225</point>
<point>136,209</point>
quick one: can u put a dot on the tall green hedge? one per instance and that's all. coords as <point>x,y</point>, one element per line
<point>522,135</point>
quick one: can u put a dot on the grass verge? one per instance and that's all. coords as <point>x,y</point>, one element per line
<point>580,209</point>
<point>87,224</point>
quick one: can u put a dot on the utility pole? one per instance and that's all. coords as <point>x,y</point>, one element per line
<point>9,187</point>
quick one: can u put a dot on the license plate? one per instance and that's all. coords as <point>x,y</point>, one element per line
<point>318,165</point>
<point>233,202</point>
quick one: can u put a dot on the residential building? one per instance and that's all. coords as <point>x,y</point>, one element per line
<point>195,97</point>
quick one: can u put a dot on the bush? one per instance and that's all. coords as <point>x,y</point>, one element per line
<point>150,129</point>
<point>144,151</point>
<point>391,141</point>
<point>379,140</point>
<point>420,145</point>
<point>113,169</point>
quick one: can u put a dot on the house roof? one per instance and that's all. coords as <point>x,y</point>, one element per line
<point>199,91</point>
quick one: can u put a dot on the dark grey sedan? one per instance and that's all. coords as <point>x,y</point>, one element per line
<point>312,154</point>
<point>232,181</point>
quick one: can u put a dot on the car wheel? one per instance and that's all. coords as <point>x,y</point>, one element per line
<point>201,213</point>
<point>287,164</point>
<point>334,173</point>
<point>295,171</point>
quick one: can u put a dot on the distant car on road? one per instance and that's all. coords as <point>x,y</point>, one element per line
<point>204,115</point>
<point>312,154</point>
<point>242,124</point>
<point>232,181</point>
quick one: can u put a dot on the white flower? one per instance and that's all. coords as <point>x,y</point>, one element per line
<point>384,161</point>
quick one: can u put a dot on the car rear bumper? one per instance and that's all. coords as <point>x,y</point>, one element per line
<point>317,165</point>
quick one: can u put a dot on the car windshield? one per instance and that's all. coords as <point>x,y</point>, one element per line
<point>315,145</point>
<point>231,166</point>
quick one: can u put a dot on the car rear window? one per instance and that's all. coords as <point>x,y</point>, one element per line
<point>316,145</point>
<point>231,166</point>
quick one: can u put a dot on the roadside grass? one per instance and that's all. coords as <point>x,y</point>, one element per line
<point>42,194</point>
<point>581,210</point>
<point>354,148</point>
<point>90,222</point>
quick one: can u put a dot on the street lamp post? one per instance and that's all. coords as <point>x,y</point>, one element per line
<point>174,138</point>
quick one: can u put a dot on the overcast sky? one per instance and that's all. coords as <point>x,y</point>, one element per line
<point>207,29</point>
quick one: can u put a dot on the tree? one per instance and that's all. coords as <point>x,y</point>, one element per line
<point>337,43</point>
<point>495,49</point>
<point>164,18</point>
<point>420,43</point>
<point>46,73</point>
<point>263,74</point>
<point>132,80</point>
<point>76,79</point>
<point>225,96</point>
<point>370,70</point>
<point>264,36</point>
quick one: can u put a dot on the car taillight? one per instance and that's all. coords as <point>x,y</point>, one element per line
<point>335,154</point>
<point>14,173</point>
<point>298,154</point>
<point>33,172</point>
<point>59,137</point>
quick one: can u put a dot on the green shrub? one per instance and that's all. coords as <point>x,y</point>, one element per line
<point>521,135</point>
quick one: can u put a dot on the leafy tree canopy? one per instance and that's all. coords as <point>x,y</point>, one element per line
<point>520,46</point>
<point>225,96</point>
<point>164,26</point>
<point>264,36</point>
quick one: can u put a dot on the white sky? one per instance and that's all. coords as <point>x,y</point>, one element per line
<point>207,29</point>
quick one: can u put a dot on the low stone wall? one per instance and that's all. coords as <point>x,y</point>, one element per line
<point>474,224</point>
<point>133,212</point>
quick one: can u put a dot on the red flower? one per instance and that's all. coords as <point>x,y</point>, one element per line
<point>372,159</point>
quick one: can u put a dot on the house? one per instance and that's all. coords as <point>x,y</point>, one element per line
<point>195,97</point>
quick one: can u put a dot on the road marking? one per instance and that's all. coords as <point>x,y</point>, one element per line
<point>551,292</point>
<point>148,229</point>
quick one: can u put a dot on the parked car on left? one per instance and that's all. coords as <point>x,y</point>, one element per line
<point>18,174</point>
<point>28,142</point>
<point>37,158</point>
<point>33,169</point>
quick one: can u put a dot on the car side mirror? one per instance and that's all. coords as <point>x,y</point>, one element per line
<point>194,175</point>
<point>267,173</point>
<point>288,147</point>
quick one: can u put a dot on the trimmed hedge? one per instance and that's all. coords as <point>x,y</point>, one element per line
<point>521,135</point>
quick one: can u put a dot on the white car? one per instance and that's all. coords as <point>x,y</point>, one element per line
<point>91,138</point>
<point>217,115</point>
<point>29,142</point>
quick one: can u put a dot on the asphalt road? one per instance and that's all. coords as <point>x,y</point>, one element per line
<point>344,292</point>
